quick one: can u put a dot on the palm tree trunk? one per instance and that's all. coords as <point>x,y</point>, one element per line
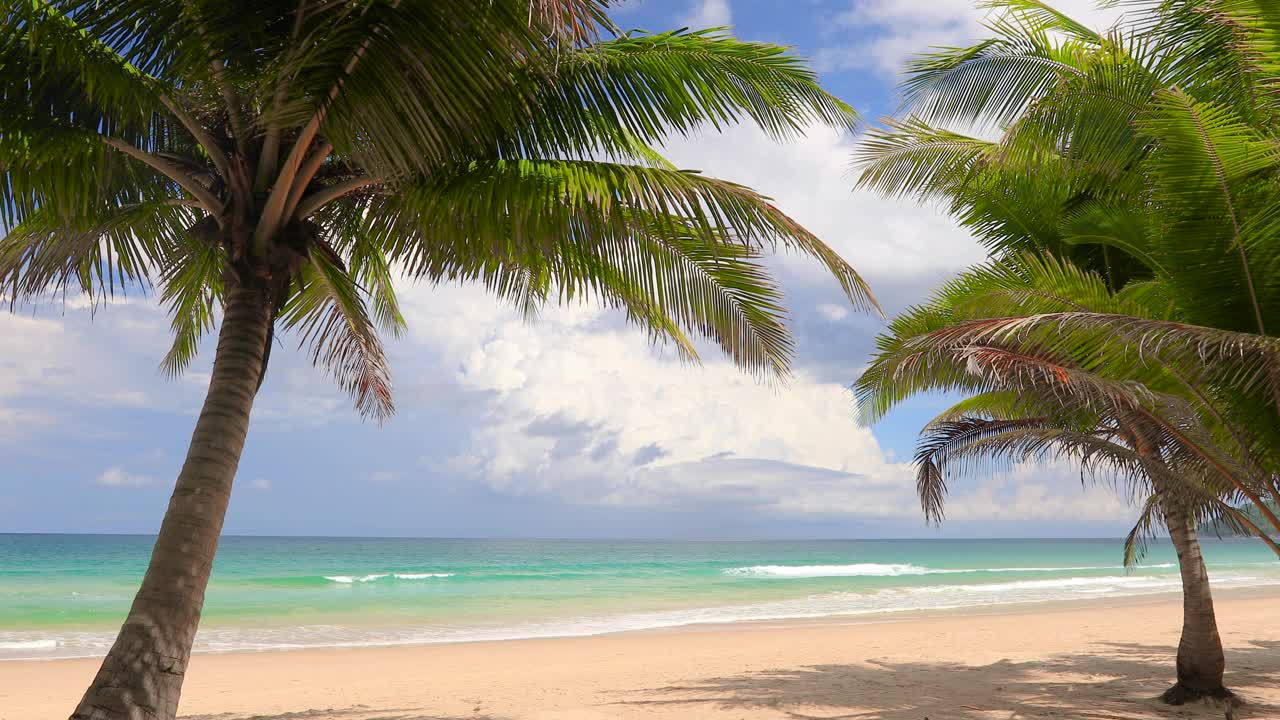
<point>1200,658</point>
<point>1201,662</point>
<point>141,677</point>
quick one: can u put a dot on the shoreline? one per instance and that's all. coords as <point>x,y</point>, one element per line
<point>852,619</point>
<point>1038,660</point>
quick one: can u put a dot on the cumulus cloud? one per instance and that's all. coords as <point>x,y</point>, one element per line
<point>600,418</point>
<point>708,13</point>
<point>580,407</point>
<point>810,179</point>
<point>117,477</point>
<point>59,360</point>
<point>1040,491</point>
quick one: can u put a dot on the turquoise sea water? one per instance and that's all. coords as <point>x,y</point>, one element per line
<point>64,595</point>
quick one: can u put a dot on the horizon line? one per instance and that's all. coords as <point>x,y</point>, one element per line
<point>587,539</point>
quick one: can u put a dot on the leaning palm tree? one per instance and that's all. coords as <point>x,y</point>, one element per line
<point>988,430</point>
<point>274,165</point>
<point>1046,389</point>
<point>1120,450</point>
<point>1036,396</point>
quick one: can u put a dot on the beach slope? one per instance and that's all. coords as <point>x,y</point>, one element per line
<point>1093,661</point>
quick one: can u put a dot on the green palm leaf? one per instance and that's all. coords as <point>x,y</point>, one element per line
<point>653,86</point>
<point>330,313</point>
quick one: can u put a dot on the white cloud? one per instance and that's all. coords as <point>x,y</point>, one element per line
<point>67,358</point>
<point>33,354</point>
<point>833,312</point>
<point>889,31</point>
<point>117,477</point>
<point>811,180</point>
<point>578,407</point>
<point>708,13</point>
<point>597,418</point>
<point>1040,491</point>
<point>59,357</point>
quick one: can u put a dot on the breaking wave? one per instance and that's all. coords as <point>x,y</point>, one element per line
<point>373,577</point>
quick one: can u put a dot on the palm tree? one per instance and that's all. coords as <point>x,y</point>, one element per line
<point>1136,423</point>
<point>1145,156</point>
<point>277,164</point>
<point>1110,448</point>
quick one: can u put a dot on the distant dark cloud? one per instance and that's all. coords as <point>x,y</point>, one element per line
<point>648,454</point>
<point>560,425</point>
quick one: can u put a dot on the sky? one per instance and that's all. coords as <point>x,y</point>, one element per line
<point>574,425</point>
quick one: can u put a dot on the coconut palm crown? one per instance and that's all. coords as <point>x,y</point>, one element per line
<point>1131,152</point>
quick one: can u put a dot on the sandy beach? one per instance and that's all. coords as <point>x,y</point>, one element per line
<point>1106,659</point>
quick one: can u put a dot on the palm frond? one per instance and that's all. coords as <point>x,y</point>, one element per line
<point>653,86</point>
<point>505,205</point>
<point>912,158</point>
<point>1205,153</point>
<point>665,270</point>
<point>114,249</point>
<point>329,312</point>
<point>1148,522</point>
<point>993,81</point>
<point>50,52</point>
<point>1256,25</point>
<point>1041,16</point>
<point>946,440</point>
<point>193,288</point>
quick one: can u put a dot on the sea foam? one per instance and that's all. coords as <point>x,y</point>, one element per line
<point>28,644</point>
<point>372,577</point>
<point>895,570</point>
<point>828,604</point>
<point>349,579</point>
<point>817,571</point>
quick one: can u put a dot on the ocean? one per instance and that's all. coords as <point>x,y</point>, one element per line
<point>64,595</point>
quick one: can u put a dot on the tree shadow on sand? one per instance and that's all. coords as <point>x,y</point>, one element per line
<point>1119,682</point>
<point>355,712</point>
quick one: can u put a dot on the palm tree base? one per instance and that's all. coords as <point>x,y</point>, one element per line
<point>1181,694</point>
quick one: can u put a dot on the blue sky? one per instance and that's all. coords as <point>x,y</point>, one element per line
<point>573,426</point>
